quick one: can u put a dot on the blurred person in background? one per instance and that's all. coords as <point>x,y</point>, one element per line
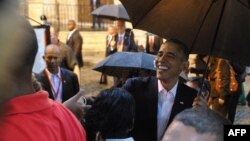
<point>75,41</point>
<point>95,20</point>
<point>68,57</point>
<point>124,40</point>
<point>153,43</point>
<point>110,48</point>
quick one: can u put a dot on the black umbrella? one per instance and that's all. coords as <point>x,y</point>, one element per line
<point>109,11</point>
<point>209,27</point>
<point>121,62</point>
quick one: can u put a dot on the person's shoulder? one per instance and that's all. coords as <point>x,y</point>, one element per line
<point>188,89</point>
<point>143,79</point>
<point>138,82</point>
<point>66,72</point>
<point>64,46</point>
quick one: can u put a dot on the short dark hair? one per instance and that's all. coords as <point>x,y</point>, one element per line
<point>204,120</point>
<point>112,114</point>
<point>182,46</point>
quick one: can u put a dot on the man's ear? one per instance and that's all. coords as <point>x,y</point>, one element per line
<point>44,58</point>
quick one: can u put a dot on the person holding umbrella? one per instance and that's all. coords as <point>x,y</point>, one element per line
<point>158,99</point>
<point>110,48</point>
<point>124,40</point>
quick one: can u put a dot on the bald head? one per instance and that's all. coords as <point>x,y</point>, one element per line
<point>52,49</point>
<point>17,55</point>
<point>52,58</point>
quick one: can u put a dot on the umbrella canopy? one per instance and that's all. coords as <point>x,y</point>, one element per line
<point>111,12</point>
<point>209,27</point>
<point>119,62</point>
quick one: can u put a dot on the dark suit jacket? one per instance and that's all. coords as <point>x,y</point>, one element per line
<point>70,85</point>
<point>68,57</point>
<point>145,93</point>
<point>157,44</point>
<point>75,42</point>
<point>128,43</point>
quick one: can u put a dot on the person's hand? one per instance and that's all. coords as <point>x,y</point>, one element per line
<point>221,101</point>
<point>76,107</point>
<point>199,101</point>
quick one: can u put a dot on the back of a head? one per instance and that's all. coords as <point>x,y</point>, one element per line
<point>204,121</point>
<point>18,50</point>
<point>111,114</point>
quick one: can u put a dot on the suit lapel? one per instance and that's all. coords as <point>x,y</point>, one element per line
<point>63,84</point>
<point>46,85</point>
<point>179,102</point>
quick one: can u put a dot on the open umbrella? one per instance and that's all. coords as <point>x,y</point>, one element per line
<point>120,62</point>
<point>209,27</point>
<point>111,12</point>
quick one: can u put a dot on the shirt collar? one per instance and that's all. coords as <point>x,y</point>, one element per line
<point>50,74</point>
<point>173,90</point>
<point>71,32</point>
<point>122,35</point>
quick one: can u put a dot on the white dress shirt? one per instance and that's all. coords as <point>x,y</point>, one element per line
<point>56,82</point>
<point>70,33</point>
<point>165,104</point>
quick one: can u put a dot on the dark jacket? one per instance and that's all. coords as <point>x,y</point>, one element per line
<point>156,46</point>
<point>75,42</point>
<point>128,43</point>
<point>70,85</point>
<point>145,93</point>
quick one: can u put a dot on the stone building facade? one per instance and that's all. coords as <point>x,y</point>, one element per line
<point>58,12</point>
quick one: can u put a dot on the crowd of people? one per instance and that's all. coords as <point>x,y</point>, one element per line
<point>50,105</point>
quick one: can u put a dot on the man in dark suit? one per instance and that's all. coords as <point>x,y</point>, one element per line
<point>158,99</point>
<point>153,43</point>
<point>68,57</point>
<point>124,40</point>
<point>60,83</point>
<point>95,4</point>
<point>75,41</point>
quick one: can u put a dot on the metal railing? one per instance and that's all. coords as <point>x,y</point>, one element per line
<point>59,14</point>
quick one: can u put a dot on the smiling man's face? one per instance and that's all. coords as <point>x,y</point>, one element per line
<point>170,61</point>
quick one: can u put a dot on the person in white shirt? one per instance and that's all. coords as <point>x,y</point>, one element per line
<point>60,83</point>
